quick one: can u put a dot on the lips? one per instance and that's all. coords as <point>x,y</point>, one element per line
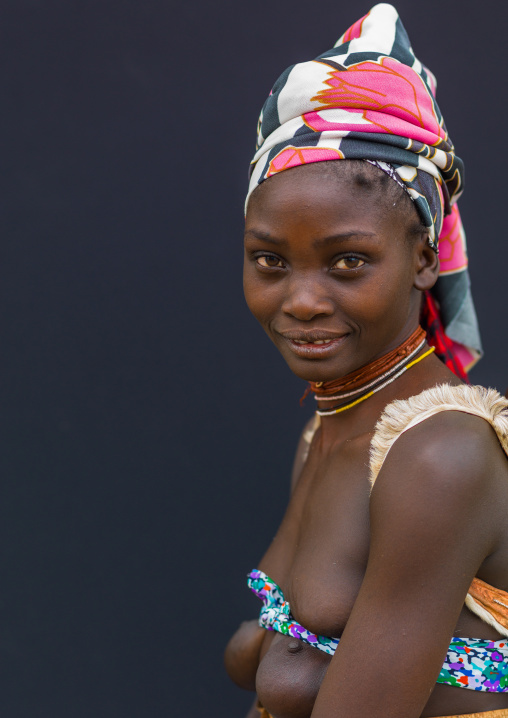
<point>316,344</point>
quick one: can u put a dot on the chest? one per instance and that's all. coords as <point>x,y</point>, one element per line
<point>320,552</point>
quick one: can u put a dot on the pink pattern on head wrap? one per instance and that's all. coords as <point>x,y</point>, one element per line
<point>369,90</point>
<point>452,244</point>
<point>354,31</point>
<point>294,156</point>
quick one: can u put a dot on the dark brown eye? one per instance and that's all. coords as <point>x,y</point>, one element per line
<point>349,263</point>
<point>268,260</point>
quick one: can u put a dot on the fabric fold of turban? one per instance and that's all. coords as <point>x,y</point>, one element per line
<point>370,98</point>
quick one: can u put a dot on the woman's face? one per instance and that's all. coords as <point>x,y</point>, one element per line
<point>329,272</point>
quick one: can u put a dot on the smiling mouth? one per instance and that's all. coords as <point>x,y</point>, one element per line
<point>314,346</point>
<point>302,342</point>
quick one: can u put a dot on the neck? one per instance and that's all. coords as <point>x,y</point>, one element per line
<point>337,397</point>
<point>360,420</point>
<point>366,376</point>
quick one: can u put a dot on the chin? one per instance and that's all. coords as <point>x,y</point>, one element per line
<point>321,363</point>
<point>315,370</point>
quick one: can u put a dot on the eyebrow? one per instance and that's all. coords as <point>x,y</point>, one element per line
<point>342,236</point>
<point>265,237</point>
<point>332,239</point>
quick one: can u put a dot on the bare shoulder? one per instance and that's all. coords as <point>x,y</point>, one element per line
<point>443,471</point>
<point>451,442</point>
<point>447,428</point>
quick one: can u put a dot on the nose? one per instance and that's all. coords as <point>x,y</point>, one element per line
<point>307,298</point>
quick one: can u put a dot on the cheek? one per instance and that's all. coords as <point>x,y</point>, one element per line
<point>258,297</point>
<point>380,303</point>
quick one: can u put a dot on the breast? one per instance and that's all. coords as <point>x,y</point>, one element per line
<point>322,603</point>
<point>290,672</point>
<point>325,574</point>
<point>318,559</point>
<point>289,676</point>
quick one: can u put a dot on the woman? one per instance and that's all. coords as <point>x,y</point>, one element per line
<point>385,589</point>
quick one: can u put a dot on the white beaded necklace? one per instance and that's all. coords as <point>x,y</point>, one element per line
<point>345,395</point>
<point>338,410</point>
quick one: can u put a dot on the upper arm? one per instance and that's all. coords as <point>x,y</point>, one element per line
<point>302,449</point>
<point>433,521</point>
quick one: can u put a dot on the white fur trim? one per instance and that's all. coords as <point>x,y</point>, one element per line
<point>402,415</point>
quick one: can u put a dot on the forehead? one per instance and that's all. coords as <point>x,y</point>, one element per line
<point>330,195</point>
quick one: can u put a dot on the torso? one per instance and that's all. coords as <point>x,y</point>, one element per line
<point>318,557</point>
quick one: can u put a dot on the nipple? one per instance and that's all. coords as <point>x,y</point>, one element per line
<point>295,646</point>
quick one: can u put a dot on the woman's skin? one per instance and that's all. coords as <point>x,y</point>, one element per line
<point>330,256</point>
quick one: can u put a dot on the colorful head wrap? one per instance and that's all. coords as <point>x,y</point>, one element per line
<point>370,98</point>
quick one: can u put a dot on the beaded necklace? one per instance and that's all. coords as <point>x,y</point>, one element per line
<point>338,409</point>
<point>373,377</point>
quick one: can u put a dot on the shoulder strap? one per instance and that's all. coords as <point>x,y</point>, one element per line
<point>308,435</point>
<point>402,415</point>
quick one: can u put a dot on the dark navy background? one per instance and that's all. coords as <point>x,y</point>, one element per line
<point>147,426</point>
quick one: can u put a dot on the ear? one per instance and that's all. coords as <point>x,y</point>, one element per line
<point>427,264</point>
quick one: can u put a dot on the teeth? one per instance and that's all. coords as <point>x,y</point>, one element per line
<point>318,341</point>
